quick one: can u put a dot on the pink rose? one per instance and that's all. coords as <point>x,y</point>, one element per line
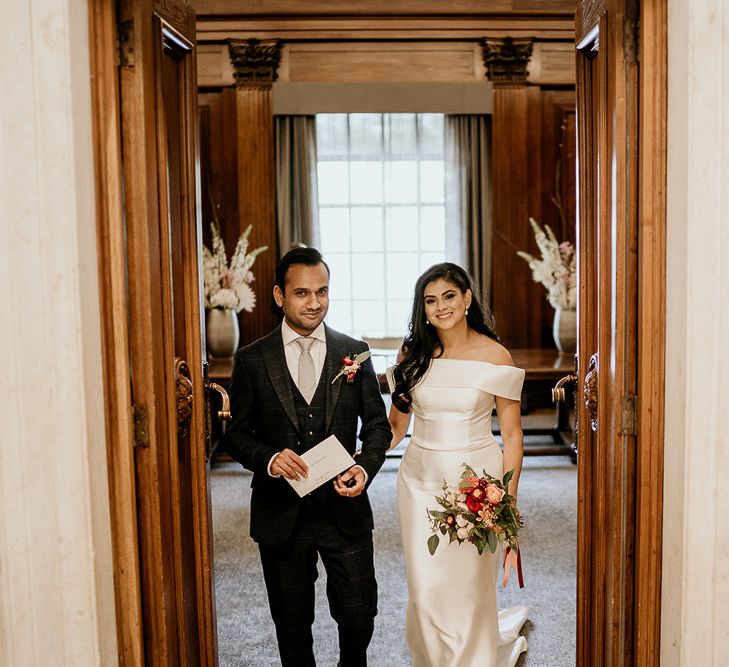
<point>494,494</point>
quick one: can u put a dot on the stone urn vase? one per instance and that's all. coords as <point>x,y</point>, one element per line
<point>564,329</point>
<point>222,332</point>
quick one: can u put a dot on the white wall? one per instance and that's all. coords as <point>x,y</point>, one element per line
<point>56,588</point>
<point>695,616</point>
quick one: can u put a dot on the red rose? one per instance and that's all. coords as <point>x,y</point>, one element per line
<point>347,361</point>
<point>474,500</point>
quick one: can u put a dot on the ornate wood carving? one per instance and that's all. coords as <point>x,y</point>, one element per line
<point>184,397</point>
<point>506,59</point>
<point>255,62</point>
<point>589,391</point>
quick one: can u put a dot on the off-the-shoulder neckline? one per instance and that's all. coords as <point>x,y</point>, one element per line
<point>476,361</point>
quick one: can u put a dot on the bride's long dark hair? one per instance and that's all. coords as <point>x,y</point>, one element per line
<point>423,343</point>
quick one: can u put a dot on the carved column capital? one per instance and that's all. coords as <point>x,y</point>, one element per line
<point>507,59</point>
<point>255,62</point>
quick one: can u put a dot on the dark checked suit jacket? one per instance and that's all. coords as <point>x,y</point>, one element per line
<point>265,422</point>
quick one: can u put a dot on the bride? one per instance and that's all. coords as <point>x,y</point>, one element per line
<point>451,372</point>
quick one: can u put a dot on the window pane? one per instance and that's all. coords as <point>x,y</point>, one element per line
<point>331,135</point>
<point>333,182</point>
<point>365,134</point>
<point>368,276</point>
<point>398,316</point>
<point>402,228</point>
<point>432,228</point>
<point>401,136</point>
<point>366,182</point>
<point>382,215</point>
<point>401,181</point>
<point>334,228</point>
<point>340,282</point>
<point>368,229</point>
<point>427,259</point>
<point>432,181</point>
<point>340,315</point>
<point>430,135</point>
<point>369,317</point>
<point>403,270</point>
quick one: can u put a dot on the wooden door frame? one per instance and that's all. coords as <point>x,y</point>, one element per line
<point>651,333</point>
<point>133,629</point>
<point>106,117</point>
<point>635,627</point>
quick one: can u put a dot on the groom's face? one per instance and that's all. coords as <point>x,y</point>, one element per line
<point>305,298</point>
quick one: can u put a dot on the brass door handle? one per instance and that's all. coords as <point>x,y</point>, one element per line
<point>224,412</point>
<point>558,392</point>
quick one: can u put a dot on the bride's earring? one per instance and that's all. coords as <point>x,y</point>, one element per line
<point>466,312</point>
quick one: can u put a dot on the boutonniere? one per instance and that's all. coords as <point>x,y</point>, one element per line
<point>351,366</point>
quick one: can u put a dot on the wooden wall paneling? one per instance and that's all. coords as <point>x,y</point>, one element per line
<point>552,64</point>
<point>511,282</point>
<point>218,166</point>
<point>541,314</point>
<point>382,61</point>
<point>651,333</point>
<point>116,364</point>
<point>380,7</point>
<point>512,286</point>
<point>256,66</point>
<point>257,200</point>
<point>299,29</point>
<point>552,169</point>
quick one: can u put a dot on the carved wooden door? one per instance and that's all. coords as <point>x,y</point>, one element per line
<point>607,342</point>
<point>159,156</point>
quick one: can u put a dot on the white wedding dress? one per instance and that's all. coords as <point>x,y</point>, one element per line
<point>452,618</point>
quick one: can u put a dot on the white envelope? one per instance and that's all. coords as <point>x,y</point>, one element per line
<point>325,460</point>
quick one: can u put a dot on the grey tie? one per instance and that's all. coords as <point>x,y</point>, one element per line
<point>307,376</point>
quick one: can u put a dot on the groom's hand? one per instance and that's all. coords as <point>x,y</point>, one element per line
<point>289,465</point>
<point>350,483</point>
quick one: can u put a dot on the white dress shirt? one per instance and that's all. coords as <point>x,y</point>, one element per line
<point>318,351</point>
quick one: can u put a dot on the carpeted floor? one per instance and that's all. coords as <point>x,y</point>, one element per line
<point>547,499</point>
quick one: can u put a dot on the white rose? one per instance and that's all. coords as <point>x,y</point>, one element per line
<point>461,521</point>
<point>462,533</point>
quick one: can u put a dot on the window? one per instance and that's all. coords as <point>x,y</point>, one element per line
<point>381,214</point>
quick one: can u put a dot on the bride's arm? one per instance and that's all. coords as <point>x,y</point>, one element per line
<point>399,422</point>
<point>510,422</point>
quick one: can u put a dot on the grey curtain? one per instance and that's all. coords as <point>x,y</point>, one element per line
<point>469,217</point>
<point>297,207</point>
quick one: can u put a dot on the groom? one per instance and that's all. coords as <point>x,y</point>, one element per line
<point>284,402</point>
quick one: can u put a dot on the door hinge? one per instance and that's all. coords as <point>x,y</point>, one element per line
<point>627,416</point>
<point>141,426</point>
<point>631,35</point>
<point>125,43</point>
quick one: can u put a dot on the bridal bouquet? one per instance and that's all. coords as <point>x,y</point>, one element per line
<point>556,269</point>
<point>480,511</point>
<point>229,286</point>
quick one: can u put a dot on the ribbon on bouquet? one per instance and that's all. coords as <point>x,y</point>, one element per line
<point>513,559</point>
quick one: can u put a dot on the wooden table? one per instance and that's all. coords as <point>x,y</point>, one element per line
<point>549,366</point>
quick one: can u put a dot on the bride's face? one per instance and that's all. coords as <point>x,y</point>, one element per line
<point>445,304</point>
